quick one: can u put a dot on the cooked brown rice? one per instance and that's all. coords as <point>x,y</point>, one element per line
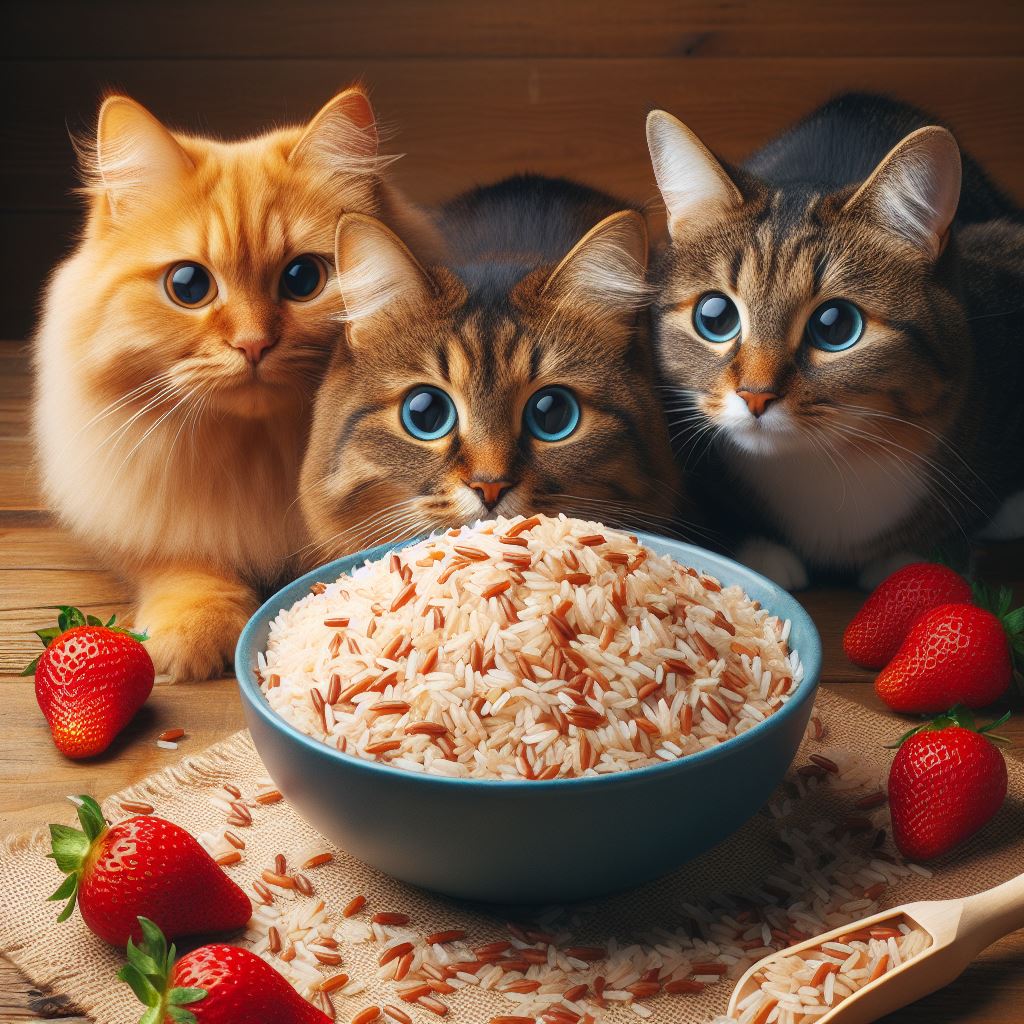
<point>526,648</point>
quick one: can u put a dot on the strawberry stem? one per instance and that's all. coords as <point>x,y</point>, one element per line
<point>148,973</point>
<point>959,715</point>
<point>70,617</point>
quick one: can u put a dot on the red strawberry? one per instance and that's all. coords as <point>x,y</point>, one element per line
<point>143,864</point>
<point>953,654</point>
<point>946,781</point>
<point>214,984</point>
<point>90,681</point>
<point>877,630</point>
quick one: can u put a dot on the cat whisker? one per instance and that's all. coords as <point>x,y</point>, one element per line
<point>354,537</point>
<point>989,316</point>
<point>636,503</point>
<point>868,412</point>
<point>924,459</point>
<point>167,393</point>
<point>941,495</point>
<point>391,530</point>
<point>819,442</point>
<point>149,431</point>
<point>410,524</point>
<point>118,403</point>
<point>190,418</point>
<point>920,467</point>
<point>709,434</point>
<point>610,503</point>
<point>624,515</point>
<point>345,539</point>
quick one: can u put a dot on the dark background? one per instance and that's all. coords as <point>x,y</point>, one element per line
<point>477,90</point>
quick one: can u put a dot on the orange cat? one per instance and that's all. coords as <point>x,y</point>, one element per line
<point>178,350</point>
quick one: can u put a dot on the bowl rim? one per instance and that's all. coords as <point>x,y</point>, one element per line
<point>784,605</point>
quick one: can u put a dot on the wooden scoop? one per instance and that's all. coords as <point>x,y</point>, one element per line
<point>959,930</point>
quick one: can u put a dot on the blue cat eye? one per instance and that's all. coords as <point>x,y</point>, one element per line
<point>716,317</point>
<point>835,325</point>
<point>190,285</point>
<point>304,278</point>
<point>428,413</point>
<point>552,414</point>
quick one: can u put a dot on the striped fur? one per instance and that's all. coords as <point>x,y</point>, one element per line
<point>544,288</point>
<point>907,441</point>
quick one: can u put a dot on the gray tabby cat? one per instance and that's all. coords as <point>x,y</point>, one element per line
<point>839,324</point>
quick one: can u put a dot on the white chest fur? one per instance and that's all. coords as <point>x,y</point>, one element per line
<point>218,492</point>
<point>832,511</point>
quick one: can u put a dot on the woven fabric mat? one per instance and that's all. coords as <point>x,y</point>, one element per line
<point>67,959</point>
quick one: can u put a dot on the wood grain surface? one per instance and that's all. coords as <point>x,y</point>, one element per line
<point>237,29</point>
<point>474,91</point>
<point>41,564</point>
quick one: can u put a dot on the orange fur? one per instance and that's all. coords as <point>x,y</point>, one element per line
<point>160,443</point>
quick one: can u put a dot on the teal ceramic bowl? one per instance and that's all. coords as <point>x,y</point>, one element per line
<point>532,842</point>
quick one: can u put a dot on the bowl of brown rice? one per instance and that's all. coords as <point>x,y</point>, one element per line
<point>528,710</point>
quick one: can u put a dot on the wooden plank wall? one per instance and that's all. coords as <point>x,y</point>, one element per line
<point>475,90</point>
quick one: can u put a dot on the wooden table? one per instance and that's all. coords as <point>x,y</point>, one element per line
<point>41,565</point>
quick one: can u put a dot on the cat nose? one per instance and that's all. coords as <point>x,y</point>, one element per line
<point>757,401</point>
<point>490,491</point>
<point>252,346</point>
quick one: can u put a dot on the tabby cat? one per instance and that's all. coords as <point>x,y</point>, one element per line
<point>179,348</point>
<point>844,345</point>
<point>517,379</point>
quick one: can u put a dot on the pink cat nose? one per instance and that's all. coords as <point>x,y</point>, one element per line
<point>757,401</point>
<point>490,491</point>
<point>252,346</point>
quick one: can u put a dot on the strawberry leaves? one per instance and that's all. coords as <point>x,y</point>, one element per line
<point>1000,603</point>
<point>148,973</point>
<point>961,716</point>
<point>70,847</point>
<point>70,617</point>
<point>68,890</point>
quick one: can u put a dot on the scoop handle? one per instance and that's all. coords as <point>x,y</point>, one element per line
<point>991,914</point>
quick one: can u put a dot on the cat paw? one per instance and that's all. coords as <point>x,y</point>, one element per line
<point>882,568</point>
<point>194,625</point>
<point>775,561</point>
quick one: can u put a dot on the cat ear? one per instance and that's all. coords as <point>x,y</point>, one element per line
<point>914,191</point>
<point>133,150</point>
<point>607,266</point>
<point>343,135</point>
<point>375,269</point>
<point>691,180</point>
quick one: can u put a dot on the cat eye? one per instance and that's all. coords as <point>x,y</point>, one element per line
<point>428,413</point>
<point>716,317</point>
<point>190,285</point>
<point>304,278</point>
<point>835,325</point>
<point>552,414</point>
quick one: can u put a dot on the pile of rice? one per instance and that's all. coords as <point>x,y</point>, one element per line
<point>799,988</point>
<point>534,648</point>
<point>574,965</point>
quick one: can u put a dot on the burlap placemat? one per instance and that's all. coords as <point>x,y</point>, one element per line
<point>67,959</point>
